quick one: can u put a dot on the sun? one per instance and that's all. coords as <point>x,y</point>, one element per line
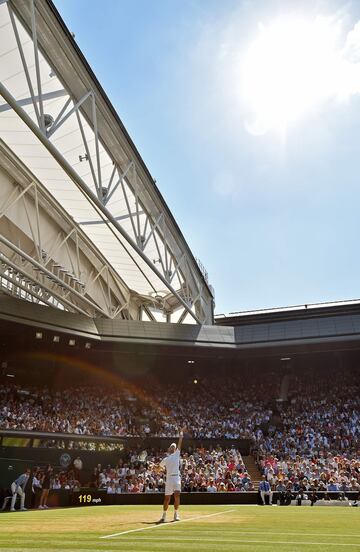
<point>291,66</point>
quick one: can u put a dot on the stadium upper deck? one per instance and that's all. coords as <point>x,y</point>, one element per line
<point>83,226</point>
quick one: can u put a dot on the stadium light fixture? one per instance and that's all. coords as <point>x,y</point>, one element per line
<point>10,375</point>
<point>38,335</point>
<point>56,338</point>
<point>285,358</point>
<point>48,121</point>
<point>87,345</point>
<point>191,361</point>
<point>72,342</point>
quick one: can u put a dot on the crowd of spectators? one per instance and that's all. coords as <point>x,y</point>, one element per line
<point>315,446</point>
<point>203,470</point>
<point>308,440</point>
<point>219,408</point>
<point>62,479</point>
<point>324,472</point>
<point>314,420</point>
<point>217,470</point>
<point>84,410</point>
<point>157,409</point>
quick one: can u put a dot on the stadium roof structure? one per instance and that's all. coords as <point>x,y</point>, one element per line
<point>83,226</point>
<point>291,312</point>
<point>320,330</point>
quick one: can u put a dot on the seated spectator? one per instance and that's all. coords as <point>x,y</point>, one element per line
<point>211,488</point>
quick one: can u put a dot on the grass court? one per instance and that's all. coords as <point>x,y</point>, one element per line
<point>203,528</point>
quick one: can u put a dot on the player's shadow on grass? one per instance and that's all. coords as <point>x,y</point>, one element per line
<point>150,522</point>
<point>154,522</point>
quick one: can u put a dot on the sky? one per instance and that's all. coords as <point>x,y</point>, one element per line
<point>247,114</point>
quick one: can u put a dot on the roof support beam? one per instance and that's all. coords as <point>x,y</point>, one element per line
<point>60,121</point>
<point>29,101</point>
<point>37,66</point>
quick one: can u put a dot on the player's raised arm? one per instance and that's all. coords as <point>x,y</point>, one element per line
<point>181,436</point>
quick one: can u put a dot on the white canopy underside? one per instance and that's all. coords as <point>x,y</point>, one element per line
<point>126,261</point>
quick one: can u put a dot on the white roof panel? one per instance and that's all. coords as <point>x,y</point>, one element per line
<point>75,140</point>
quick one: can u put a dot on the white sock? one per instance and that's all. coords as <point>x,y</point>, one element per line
<point>164,515</point>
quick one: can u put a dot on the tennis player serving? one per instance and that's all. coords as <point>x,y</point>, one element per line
<point>173,480</point>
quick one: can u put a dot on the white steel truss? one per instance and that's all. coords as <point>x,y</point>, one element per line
<point>57,120</point>
<point>44,251</point>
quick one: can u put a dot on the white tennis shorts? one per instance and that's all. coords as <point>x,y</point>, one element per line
<point>173,483</point>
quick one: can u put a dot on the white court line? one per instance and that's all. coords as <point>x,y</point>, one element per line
<point>293,534</point>
<point>164,524</point>
<point>241,542</point>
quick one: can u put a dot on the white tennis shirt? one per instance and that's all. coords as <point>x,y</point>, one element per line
<point>172,463</point>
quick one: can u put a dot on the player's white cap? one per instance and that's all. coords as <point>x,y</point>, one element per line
<point>173,445</point>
